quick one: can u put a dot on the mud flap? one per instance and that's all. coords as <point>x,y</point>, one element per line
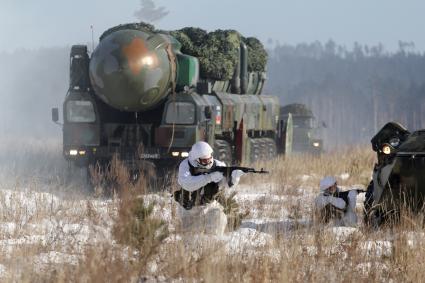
<point>240,152</point>
<point>380,179</point>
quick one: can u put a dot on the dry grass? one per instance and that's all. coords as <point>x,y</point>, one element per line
<point>290,172</point>
<point>74,237</point>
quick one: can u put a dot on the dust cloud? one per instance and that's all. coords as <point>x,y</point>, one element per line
<point>32,82</point>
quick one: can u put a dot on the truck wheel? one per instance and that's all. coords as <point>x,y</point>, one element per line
<point>271,148</point>
<point>223,152</point>
<point>262,143</point>
<point>255,152</point>
<point>374,217</point>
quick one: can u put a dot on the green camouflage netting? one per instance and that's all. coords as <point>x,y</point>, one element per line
<point>217,51</point>
<point>257,55</point>
<point>137,26</point>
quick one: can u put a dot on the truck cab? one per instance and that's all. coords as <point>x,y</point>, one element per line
<point>306,132</point>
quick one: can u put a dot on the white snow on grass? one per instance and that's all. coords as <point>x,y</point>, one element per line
<point>243,238</point>
<point>344,176</point>
<point>3,271</point>
<point>60,229</point>
<point>376,248</point>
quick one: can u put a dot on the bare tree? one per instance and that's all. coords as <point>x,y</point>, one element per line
<point>149,13</point>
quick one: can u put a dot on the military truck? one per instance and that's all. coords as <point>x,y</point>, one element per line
<point>305,129</point>
<point>398,181</point>
<point>139,97</point>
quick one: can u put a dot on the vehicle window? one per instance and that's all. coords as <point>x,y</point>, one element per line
<point>180,113</point>
<point>302,122</point>
<point>80,111</point>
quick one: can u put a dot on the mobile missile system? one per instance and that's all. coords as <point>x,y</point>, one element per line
<point>305,129</point>
<point>146,96</point>
<point>398,176</point>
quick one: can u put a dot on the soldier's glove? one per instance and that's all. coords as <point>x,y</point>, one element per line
<point>337,202</point>
<point>236,176</point>
<point>215,177</point>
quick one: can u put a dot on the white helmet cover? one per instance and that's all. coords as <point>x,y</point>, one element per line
<point>200,149</point>
<point>327,182</point>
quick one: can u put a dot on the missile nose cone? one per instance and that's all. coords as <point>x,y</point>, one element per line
<point>130,69</point>
<point>138,55</point>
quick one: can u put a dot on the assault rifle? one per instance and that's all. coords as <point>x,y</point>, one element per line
<point>344,194</point>
<point>227,171</point>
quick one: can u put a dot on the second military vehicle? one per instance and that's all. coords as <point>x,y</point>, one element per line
<point>398,176</point>
<point>305,130</point>
<point>146,96</point>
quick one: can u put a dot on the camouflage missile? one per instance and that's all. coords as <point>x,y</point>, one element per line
<point>133,70</point>
<point>135,67</point>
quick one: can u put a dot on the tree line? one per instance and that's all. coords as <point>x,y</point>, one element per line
<point>354,91</point>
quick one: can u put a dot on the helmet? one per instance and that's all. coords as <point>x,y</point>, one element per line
<point>327,182</point>
<point>201,155</point>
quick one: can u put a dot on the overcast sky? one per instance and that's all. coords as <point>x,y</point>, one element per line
<point>47,23</point>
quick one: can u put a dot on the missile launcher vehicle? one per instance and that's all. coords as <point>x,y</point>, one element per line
<point>146,96</point>
<point>398,176</point>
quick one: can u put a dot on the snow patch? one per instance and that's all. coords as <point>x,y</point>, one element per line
<point>54,257</point>
<point>304,177</point>
<point>3,271</point>
<point>344,176</point>
<point>376,248</point>
<point>246,238</point>
<point>343,233</point>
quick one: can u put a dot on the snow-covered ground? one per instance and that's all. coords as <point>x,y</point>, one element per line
<point>43,230</point>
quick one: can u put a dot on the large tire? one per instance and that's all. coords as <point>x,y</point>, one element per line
<point>271,149</point>
<point>223,152</point>
<point>255,151</point>
<point>373,217</point>
<point>262,143</point>
<point>264,149</point>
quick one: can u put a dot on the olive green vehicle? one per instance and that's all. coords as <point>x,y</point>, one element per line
<point>398,176</point>
<point>139,97</point>
<point>305,129</point>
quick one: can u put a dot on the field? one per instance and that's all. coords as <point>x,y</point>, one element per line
<point>53,228</point>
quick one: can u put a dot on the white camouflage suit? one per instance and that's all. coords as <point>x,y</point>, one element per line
<point>208,218</point>
<point>347,215</point>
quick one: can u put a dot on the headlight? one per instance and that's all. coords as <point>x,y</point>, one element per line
<point>185,154</point>
<point>175,153</point>
<point>386,149</point>
<point>73,152</point>
<point>316,144</point>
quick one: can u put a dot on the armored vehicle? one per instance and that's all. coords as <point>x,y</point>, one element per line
<point>146,96</point>
<point>398,176</point>
<point>305,129</point>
